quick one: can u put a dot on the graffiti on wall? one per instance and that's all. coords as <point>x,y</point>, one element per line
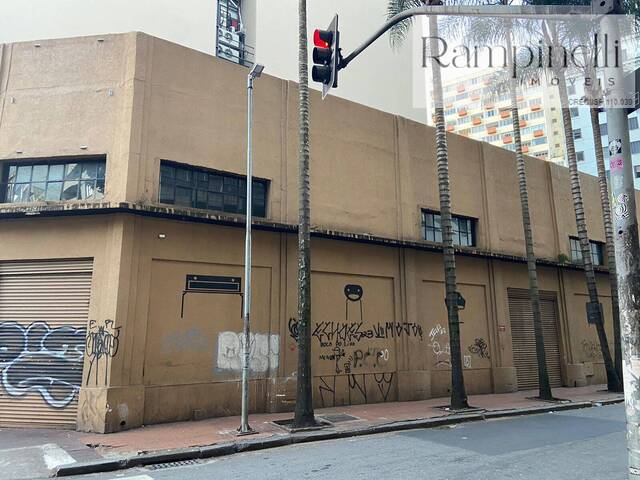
<point>341,341</point>
<point>357,391</point>
<point>591,350</point>
<point>440,346</point>
<point>42,359</point>
<point>103,341</point>
<point>480,348</point>
<point>264,352</point>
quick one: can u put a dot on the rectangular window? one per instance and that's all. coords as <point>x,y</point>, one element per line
<point>633,123</point>
<point>635,147</point>
<point>463,229</point>
<point>577,133</point>
<point>574,112</point>
<point>604,127</point>
<point>636,171</point>
<point>580,156</point>
<point>53,180</point>
<point>597,251</point>
<point>210,190</point>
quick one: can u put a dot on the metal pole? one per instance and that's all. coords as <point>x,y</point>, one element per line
<point>627,248</point>
<point>255,72</point>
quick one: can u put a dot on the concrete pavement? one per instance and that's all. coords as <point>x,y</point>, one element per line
<point>32,453</point>
<point>570,445</point>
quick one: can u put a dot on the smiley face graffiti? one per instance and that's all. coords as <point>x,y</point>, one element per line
<point>353,292</point>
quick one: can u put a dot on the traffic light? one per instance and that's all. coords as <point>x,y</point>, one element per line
<point>326,57</point>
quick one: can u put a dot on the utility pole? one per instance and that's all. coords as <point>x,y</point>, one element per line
<point>627,248</point>
<point>245,429</point>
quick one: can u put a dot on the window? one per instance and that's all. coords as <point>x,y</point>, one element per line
<point>580,156</point>
<point>577,133</point>
<point>636,171</point>
<point>633,123</point>
<point>597,251</point>
<point>199,188</point>
<point>463,229</point>
<point>54,181</point>
<point>635,147</point>
<point>574,112</point>
<point>604,127</point>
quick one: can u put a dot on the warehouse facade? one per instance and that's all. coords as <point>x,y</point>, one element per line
<point>121,163</point>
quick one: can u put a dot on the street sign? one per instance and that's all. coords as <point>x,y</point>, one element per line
<point>213,284</point>
<point>594,313</point>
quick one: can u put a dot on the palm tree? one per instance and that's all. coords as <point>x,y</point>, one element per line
<point>608,233</point>
<point>544,386</point>
<point>304,416</point>
<point>485,31</point>
<point>553,36</point>
<point>458,394</point>
<point>594,91</point>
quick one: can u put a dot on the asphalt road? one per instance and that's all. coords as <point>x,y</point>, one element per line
<point>573,445</point>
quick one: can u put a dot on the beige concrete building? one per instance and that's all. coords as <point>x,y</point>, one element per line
<point>121,165</point>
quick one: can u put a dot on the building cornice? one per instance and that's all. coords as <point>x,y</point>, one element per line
<point>238,221</point>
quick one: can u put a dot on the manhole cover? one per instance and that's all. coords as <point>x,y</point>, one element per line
<point>339,417</point>
<point>182,463</point>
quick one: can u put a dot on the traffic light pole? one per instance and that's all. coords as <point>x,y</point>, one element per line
<point>560,12</point>
<point>627,247</point>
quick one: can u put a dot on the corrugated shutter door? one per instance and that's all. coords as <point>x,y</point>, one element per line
<point>44,309</point>
<point>524,346</point>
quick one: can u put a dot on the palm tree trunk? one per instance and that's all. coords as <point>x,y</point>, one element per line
<point>544,386</point>
<point>613,383</point>
<point>608,232</point>
<point>458,394</point>
<point>304,416</point>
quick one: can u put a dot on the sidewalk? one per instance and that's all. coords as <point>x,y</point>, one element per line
<point>222,430</point>
<point>216,436</point>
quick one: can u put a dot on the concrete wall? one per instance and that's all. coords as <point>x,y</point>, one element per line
<point>140,100</point>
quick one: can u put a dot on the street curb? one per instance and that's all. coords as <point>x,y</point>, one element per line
<point>230,448</point>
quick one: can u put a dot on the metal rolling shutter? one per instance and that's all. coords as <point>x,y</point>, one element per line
<point>44,308</point>
<point>524,346</point>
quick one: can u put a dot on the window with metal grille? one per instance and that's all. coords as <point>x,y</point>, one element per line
<point>463,228</point>
<point>597,251</point>
<point>54,180</point>
<point>192,187</point>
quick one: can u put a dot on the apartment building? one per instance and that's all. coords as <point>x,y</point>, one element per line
<point>474,108</point>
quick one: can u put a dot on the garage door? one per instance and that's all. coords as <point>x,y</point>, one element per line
<point>44,308</point>
<point>524,345</point>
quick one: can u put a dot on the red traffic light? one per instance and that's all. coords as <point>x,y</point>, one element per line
<point>322,38</point>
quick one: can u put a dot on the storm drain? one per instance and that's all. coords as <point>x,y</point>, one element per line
<point>339,418</point>
<point>182,463</point>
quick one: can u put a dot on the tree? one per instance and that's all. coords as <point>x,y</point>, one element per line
<point>458,393</point>
<point>554,34</point>
<point>608,233</point>
<point>304,416</point>
<point>486,31</point>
